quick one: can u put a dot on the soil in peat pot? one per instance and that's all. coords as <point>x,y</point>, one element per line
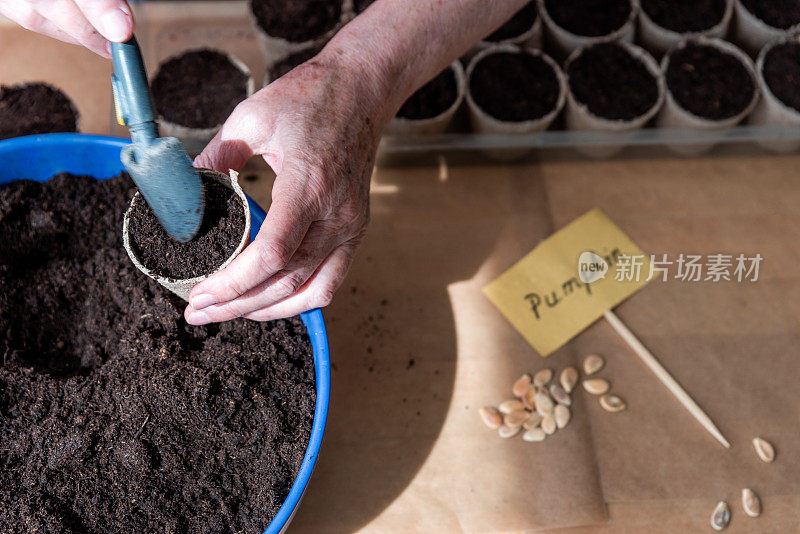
<point>782,73</point>
<point>521,22</point>
<point>116,416</point>
<point>34,108</point>
<point>361,5</point>
<point>589,18</point>
<point>612,83</point>
<point>433,98</point>
<point>219,235</point>
<point>296,20</point>
<point>684,16</point>
<point>776,13</point>
<point>514,87</point>
<point>198,89</point>
<point>709,82</point>
<point>288,63</point>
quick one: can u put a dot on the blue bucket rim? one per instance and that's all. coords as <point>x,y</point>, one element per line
<point>313,319</point>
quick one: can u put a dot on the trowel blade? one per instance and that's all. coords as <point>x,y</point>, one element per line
<point>169,183</point>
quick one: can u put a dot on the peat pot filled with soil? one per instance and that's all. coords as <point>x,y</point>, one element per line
<point>665,23</point>
<point>195,92</point>
<point>35,108</point>
<point>614,87</point>
<point>511,90</point>
<point>431,108</point>
<point>223,234</point>
<point>778,75</point>
<point>575,24</point>
<point>523,29</point>
<point>116,416</point>
<point>284,27</point>
<point>711,85</point>
<point>758,22</point>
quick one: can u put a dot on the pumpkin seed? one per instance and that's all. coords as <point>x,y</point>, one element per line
<point>522,385</point>
<point>764,449</point>
<point>721,516</point>
<point>533,421</point>
<point>544,404</point>
<point>549,424</point>
<point>534,434</point>
<point>559,395</point>
<point>751,503</point>
<point>562,415</point>
<point>593,363</point>
<point>612,403</point>
<point>491,417</point>
<point>542,377</point>
<point>508,431</point>
<point>515,418</point>
<point>510,406</point>
<point>595,386</point>
<point>528,399</point>
<point>568,379</point>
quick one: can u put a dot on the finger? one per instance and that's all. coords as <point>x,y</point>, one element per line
<point>317,292</point>
<point>30,19</point>
<point>112,18</point>
<point>68,18</point>
<point>317,245</point>
<point>287,222</point>
<point>224,154</point>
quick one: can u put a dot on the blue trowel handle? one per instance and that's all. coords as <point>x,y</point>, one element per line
<point>132,92</point>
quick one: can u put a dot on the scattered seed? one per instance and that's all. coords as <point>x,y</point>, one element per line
<point>528,399</point>
<point>542,377</point>
<point>491,417</point>
<point>721,516</point>
<point>543,402</point>
<point>593,363</point>
<point>569,377</point>
<point>751,503</point>
<point>522,385</point>
<point>533,421</point>
<point>562,415</point>
<point>515,418</point>
<point>612,403</point>
<point>764,449</point>
<point>508,431</point>
<point>549,424</point>
<point>510,406</point>
<point>534,434</point>
<point>595,386</point>
<point>559,395</point>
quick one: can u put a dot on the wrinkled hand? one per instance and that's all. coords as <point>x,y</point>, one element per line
<point>91,23</point>
<point>314,128</point>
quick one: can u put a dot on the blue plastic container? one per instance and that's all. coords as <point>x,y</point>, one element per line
<point>38,157</point>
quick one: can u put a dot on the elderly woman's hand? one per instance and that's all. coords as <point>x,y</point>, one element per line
<point>318,128</point>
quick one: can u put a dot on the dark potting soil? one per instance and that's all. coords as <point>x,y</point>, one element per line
<point>782,73</point>
<point>776,13</point>
<point>514,87</point>
<point>361,5</point>
<point>708,82</point>
<point>116,416</point>
<point>198,89</point>
<point>34,108</point>
<point>612,83</point>
<point>590,18</point>
<point>521,22</point>
<point>219,235</point>
<point>433,98</point>
<point>296,20</point>
<point>290,62</point>
<point>685,15</point>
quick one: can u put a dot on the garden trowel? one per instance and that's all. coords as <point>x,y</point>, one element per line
<point>159,166</point>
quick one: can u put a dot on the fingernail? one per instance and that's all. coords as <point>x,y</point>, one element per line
<point>125,9</point>
<point>198,318</point>
<point>203,300</point>
<point>115,25</point>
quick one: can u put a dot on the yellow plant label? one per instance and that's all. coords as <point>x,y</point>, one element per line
<point>569,280</point>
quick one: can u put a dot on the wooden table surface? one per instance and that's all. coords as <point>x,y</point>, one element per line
<point>417,349</point>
